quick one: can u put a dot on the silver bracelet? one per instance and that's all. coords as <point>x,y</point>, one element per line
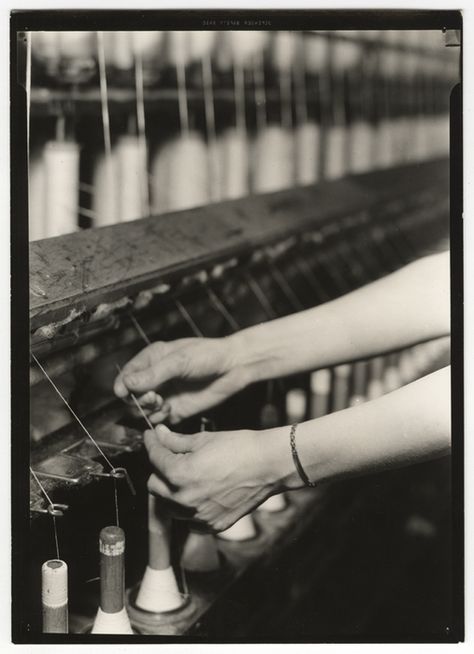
<point>296,459</point>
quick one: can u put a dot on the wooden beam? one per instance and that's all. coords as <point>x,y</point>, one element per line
<point>73,273</point>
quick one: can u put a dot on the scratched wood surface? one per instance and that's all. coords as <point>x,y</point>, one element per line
<point>78,271</point>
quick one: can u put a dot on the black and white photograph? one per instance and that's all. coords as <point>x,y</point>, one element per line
<point>237,280</point>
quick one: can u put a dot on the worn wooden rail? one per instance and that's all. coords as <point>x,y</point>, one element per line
<point>74,273</point>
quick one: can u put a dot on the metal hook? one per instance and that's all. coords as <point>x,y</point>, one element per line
<point>56,509</point>
<point>118,473</point>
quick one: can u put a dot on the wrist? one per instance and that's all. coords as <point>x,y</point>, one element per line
<point>253,353</point>
<point>278,470</point>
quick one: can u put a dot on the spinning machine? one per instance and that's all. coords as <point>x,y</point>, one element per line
<point>192,184</point>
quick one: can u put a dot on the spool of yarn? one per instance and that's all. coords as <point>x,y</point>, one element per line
<point>341,387</point>
<point>242,530</point>
<point>336,155</point>
<point>158,589</point>
<point>295,405</point>
<point>188,172</point>
<point>274,504</point>
<point>283,51</point>
<point>361,147</point>
<point>131,173</point>
<point>391,378</point>
<point>200,553</point>
<point>105,197</point>
<point>112,617</point>
<point>233,156</point>
<point>200,44</point>
<point>216,173</point>
<point>176,48</point>
<point>118,50</point>
<point>239,48</point>
<point>147,44</point>
<point>159,173</point>
<point>359,383</point>
<point>345,53</point>
<point>112,623</point>
<point>77,45</point>
<point>45,49</point>
<point>384,150</point>
<point>400,141</point>
<point>54,597</point>
<point>315,52</point>
<point>375,387</point>
<point>61,161</point>
<point>36,197</point>
<point>421,143</point>
<point>320,383</point>
<point>273,160</point>
<point>307,144</point>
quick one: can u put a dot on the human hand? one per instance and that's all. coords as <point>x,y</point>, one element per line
<point>191,375</point>
<point>220,476</point>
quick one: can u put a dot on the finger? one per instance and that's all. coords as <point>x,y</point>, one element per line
<point>150,400</point>
<point>141,360</point>
<point>161,457</point>
<point>157,486</point>
<point>170,367</point>
<point>158,417</point>
<point>178,443</point>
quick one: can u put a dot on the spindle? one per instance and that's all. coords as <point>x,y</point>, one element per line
<point>112,616</point>
<point>359,383</point>
<point>54,597</point>
<point>341,387</point>
<point>375,386</point>
<point>320,383</point>
<point>158,590</point>
<point>61,163</point>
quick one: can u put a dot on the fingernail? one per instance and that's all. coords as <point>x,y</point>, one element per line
<point>162,429</point>
<point>130,380</point>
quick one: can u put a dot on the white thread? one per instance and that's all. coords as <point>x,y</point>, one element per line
<point>71,410</point>
<point>61,161</point>
<point>273,160</point>
<point>274,504</point>
<point>243,529</point>
<point>159,591</point>
<point>112,623</point>
<point>307,143</point>
<point>54,590</point>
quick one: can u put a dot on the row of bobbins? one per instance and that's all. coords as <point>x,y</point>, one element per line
<point>292,146</point>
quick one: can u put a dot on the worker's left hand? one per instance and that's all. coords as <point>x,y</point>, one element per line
<point>221,475</point>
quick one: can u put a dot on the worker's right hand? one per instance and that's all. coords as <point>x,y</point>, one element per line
<point>177,379</point>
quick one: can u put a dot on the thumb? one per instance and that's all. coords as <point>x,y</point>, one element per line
<point>177,443</point>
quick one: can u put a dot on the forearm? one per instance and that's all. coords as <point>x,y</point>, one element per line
<point>407,426</point>
<point>405,307</point>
